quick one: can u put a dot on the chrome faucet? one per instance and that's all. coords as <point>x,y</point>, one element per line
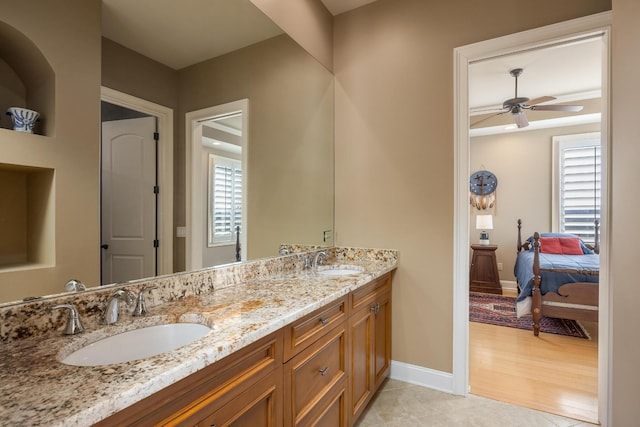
<point>141,304</point>
<point>318,259</point>
<point>73,326</point>
<point>111,311</point>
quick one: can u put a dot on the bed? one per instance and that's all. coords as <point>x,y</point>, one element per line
<point>561,281</point>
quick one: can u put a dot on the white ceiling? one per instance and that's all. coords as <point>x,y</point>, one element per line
<point>568,72</point>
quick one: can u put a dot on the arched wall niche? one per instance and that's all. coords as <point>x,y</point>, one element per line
<point>26,79</point>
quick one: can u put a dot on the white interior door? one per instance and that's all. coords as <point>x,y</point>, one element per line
<point>128,199</point>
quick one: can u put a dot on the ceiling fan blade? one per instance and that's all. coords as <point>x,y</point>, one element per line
<point>557,107</point>
<point>489,117</point>
<point>521,119</point>
<point>538,100</point>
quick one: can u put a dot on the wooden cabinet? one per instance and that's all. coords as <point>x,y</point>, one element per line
<point>370,347</point>
<point>315,377</point>
<point>246,385</point>
<point>483,274</point>
<point>315,382</point>
<point>320,370</point>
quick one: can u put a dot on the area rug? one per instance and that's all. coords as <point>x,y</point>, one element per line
<point>501,311</point>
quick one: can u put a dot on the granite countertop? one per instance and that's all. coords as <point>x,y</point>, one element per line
<point>36,389</point>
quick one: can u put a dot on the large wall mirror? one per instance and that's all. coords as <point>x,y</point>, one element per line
<point>289,158</point>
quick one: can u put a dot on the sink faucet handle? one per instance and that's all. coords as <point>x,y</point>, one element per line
<point>73,326</point>
<point>75,285</point>
<point>141,304</point>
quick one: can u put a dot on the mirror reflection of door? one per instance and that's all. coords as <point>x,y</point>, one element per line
<point>223,193</point>
<point>128,197</point>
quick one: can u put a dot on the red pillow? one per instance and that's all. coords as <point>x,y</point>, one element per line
<point>560,245</point>
<point>550,245</point>
<point>571,246</point>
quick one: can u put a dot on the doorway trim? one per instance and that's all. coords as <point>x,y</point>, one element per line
<point>532,39</point>
<point>165,168</point>
<point>194,205</point>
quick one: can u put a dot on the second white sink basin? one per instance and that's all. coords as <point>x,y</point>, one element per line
<point>339,270</point>
<point>137,344</point>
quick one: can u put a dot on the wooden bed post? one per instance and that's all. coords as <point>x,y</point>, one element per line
<point>519,234</point>
<point>536,310</point>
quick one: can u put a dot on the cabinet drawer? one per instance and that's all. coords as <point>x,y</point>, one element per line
<point>330,411</point>
<point>183,403</point>
<point>259,406</point>
<point>300,334</point>
<point>314,373</point>
<point>366,295</point>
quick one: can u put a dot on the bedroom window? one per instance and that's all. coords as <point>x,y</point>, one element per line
<point>576,182</point>
<point>225,199</point>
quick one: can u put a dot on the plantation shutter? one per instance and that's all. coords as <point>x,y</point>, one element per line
<point>580,187</point>
<point>225,199</point>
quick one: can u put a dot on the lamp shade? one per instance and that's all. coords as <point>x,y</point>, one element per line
<point>484,222</point>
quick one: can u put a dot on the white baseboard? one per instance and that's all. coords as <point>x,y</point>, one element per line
<point>424,377</point>
<point>509,284</point>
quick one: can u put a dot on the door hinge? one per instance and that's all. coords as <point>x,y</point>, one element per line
<point>156,189</point>
<point>156,243</point>
<point>156,136</point>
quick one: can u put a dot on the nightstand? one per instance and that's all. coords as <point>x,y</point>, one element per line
<point>483,276</point>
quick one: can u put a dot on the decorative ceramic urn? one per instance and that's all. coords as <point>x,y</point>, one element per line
<point>23,119</point>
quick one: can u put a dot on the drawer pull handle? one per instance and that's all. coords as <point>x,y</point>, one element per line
<point>323,372</point>
<point>324,321</point>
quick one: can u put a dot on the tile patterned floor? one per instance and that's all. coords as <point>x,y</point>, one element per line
<point>399,404</point>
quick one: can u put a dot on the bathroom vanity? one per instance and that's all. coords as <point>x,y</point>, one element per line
<point>288,347</point>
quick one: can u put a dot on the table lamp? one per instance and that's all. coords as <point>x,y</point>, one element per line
<point>484,223</point>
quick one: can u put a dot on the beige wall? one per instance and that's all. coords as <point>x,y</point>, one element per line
<point>625,227</point>
<point>136,75</point>
<point>67,32</point>
<point>290,165</point>
<point>393,63</point>
<point>522,161</point>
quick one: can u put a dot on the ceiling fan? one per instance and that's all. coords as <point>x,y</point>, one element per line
<point>517,105</point>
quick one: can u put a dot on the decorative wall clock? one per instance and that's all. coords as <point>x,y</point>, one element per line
<point>482,186</point>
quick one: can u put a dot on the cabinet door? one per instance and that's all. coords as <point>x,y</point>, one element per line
<point>370,351</point>
<point>260,406</point>
<point>361,346</point>
<point>382,339</point>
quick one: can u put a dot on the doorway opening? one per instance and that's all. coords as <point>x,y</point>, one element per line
<point>216,164</point>
<point>136,188</point>
<point>554,35</point>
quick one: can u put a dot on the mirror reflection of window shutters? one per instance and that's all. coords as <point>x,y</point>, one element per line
<point>225,199</point>
<point>579,185</point>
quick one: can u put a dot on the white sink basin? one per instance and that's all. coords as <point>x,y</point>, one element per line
<point>339,270</point>
<point>137,344</point>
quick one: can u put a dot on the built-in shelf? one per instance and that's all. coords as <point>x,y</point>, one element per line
<point>26,80</point>
<point>26,217</point>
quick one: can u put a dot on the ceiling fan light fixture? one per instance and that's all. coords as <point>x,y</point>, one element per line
<point>519,117</point>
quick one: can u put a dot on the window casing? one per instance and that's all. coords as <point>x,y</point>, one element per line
<point>577,184</point>
<point>224,200</point>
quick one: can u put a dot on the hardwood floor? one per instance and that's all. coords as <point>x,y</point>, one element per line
<point>550,373</point>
